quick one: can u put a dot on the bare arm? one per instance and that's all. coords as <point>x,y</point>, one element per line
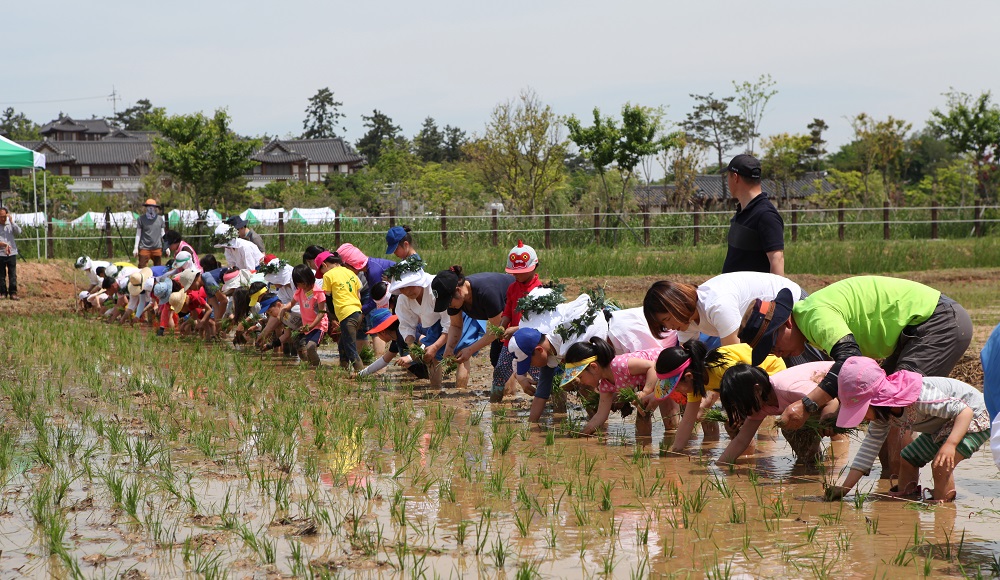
<point>601,416</point>
<point>454,333</point>
<point>740,443</point>
<point>777,260</point>
<point>686,426</point>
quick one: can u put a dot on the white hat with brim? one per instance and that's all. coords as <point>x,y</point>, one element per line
<point>282,278</point>
<point>242,279</point>
<point>137,281</point>
<point>418,278</point>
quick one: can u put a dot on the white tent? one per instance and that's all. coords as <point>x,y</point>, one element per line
<point>94,219</point>
<point>35,220</point>
<point>267,217</point>
<point>189,217</point>
<point>311,215</point>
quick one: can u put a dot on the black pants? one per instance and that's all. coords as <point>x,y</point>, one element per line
<point>8,270</point>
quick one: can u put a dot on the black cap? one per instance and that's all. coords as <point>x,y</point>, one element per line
<point>745,166</point>
<point>761,320</point>
<point>444,286</point>
<point>240,223</point>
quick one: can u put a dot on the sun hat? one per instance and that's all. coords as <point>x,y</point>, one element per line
<point>111,271</point>
<point>162,290</point>
<point>862,383</point>
<point>522,345</point>
<point>82,263</point>
<point>182,259</point>
<point>177,300</point>
<point>352,256</point>
<point>745,166</point>
<point>393,237</point>
<point>151,202</point>
<point>137,281</point>
<point>668,381</point>
<point>572,371</point>
<point>277,272</point>
<point>381,320</point>
<point>321,258</point>
<point>267,258</point>
<point>223,236</point>
<point>418,278</point>
<point>521,258</point>
<point>444,286</point>
<point>267,303</point>
<point>761,320</point>
<point>255,297</point>
<point>187,278</point>
<point>235,279</point>
<point>237,222</point>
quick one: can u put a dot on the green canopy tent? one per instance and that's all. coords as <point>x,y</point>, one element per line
<point>14,156</point>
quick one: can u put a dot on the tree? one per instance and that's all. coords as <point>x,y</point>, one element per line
<point>752,99</point>
<point>520,155</point>
<point>971,126</point>
<point>609,145</point>
<point>380,130</point>
<point>438,185</point>
<point>817,145</point>
<point>849,187</point>
<point>951,183</point>
<point>454,144</point>
<point>62,201</point>
<point>881,146</point>
<point>784,158</point>
<point>713,125</point>
<point>138,117</point>
<point>322,116</point>
<point>204,156</point>
<point>681,162</point>
<point>17,126</point>
<point>429,142</point>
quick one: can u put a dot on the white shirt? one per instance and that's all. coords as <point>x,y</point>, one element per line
<point>92,271</point>
<point>724,299</point>
<point>243,255</point>
<point>411,313</point>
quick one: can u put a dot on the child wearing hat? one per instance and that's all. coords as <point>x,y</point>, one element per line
<point>950,416</point>
<point>245,233</point>
<point>149,231</point>
<point>522,263</point>
<point>386,327</point>
<point>399,241</point>
<point>239,253</point>
<point>175,244</point>
<point>342,285</point>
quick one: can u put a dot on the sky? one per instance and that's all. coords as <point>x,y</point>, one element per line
<point>455,60</point>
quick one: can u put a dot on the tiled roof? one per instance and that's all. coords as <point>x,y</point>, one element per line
<point>69,125</point>
<point>107,152</point>
<point>710,187</point>
<point>123,135</point>
<point>326,151</point>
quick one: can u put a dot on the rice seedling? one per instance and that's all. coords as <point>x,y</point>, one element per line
<point>523,523</point>
<point>606,488</point>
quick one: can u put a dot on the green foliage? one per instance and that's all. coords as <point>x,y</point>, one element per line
<point>381,133</point>
<point>880,145</point>
<point>784,160</point>
<point>451,185</point>
<point>849,187</point>
<point>62,201</point>
<point>428,145</point>
<point>322,116</point>
<point>752,99</point>
<point>17,126</point>
<point>972,126</point>
<point>519,157</point>
<point>138,117</point>
<point>204,156</point>
<point>817,145</point>
<point>711,124</point>
<point>951,184</point>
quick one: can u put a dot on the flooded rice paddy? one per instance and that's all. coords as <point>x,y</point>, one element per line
<point>127,455</point>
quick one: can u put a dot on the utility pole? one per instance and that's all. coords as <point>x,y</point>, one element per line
<point>114,98</point>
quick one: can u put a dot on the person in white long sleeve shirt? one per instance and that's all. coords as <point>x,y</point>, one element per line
<point>239,253</point>
<point>417,319</point>
<point>8,254</point>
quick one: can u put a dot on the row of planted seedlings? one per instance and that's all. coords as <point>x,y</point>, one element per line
<point>205,459</point>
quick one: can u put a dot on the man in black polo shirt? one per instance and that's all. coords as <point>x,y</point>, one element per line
<point>756,232</point>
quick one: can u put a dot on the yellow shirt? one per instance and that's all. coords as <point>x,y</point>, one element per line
<point>735,354</point>
<point>343,286</point>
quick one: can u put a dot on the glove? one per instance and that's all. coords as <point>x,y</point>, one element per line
<point>167,252</point>
<point>135,252</point>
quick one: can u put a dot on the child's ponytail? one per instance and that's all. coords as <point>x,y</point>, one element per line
<point>597,347</point>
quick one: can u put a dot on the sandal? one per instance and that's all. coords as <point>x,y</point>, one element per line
<point>909,493</point>
<point>931,501</point>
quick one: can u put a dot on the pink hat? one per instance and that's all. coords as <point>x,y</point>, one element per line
<point>352,256</point>
<point>321,258</point>
<point>862,383</point>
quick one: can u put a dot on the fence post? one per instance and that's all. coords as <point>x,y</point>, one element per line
<point>934,220</point>
<point>50,244</point>
<point>444,228</point>
<point>840,221</point>
<point>548,232</point>
<point>795,222</point>
<point>281,231</point>
<point>336,229</point>
<point>107,232</point>
<point>885,219</point>
<point>645,226</point>
<point>597,224</point>
<point>392,217</point>
<point>696,216</point>
<point>496,225</point>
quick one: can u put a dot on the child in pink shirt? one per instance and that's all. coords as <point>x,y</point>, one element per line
<point>749,395</point>
<point>311,299</point>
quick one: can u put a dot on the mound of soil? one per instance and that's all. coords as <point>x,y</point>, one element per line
<point>44,286</point>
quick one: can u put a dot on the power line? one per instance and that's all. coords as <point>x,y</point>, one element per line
<point>53,100</point>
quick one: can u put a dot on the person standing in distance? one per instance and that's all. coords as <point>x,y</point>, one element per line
<point>149,231</point>
<point>8,254</point>
<point>756,232</point>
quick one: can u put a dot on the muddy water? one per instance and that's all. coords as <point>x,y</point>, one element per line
<point>440,483</point>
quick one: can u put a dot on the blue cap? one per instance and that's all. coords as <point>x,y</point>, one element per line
<point>393,237</point>
<point>381,320</point>
<point>162,290</point>
<point>522,346</point>
<point>266,305</point>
